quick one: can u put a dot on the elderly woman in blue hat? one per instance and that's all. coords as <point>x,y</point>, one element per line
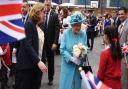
<point>70,76</point>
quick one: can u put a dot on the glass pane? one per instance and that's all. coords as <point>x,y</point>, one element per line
<point>82,2</point>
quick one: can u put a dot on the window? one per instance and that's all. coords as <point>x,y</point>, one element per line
<point>116,3</point>
<point>82,2</point>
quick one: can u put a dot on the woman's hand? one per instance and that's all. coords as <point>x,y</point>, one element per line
<point>42,66</point>
<point>76,61</point>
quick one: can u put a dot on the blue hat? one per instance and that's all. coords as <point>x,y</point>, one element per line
<point>76,19</point>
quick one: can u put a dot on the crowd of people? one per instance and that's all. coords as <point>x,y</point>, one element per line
<point>52,31</point>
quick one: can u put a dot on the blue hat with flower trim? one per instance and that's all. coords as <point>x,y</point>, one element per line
<point>76,19</point>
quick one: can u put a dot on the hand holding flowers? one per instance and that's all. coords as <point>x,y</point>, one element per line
<point>79,52</point>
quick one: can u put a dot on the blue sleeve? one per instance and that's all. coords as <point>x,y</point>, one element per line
<point>63,51</point>
<point>85,38</point>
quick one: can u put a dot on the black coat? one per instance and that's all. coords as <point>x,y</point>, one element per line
<point>117,22</point>
<point>93,23</point>
<point>52,31</point>
<point>28,51</point>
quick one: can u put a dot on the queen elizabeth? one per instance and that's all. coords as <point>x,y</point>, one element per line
<point>70,76</point>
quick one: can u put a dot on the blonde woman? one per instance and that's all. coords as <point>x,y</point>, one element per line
<point>30,63</point>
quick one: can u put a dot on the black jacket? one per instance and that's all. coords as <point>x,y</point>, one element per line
<point>93,23</point>
<point>52,31</point>
<point>28,51</point>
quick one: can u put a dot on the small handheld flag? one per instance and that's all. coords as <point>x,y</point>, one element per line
<point>90,81</point>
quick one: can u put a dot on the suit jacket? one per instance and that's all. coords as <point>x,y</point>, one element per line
<point>124,39</point>
<point>93,23</point>
<point>124,33</point>
<point>52,31</point>
<point>28,51</point>
<point>117,22</point>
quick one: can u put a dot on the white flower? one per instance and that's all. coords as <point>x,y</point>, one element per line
<point>75,46</point>
<point>76,51</point>
<point>84,51</point>
<point>80,45</point>
<point>79,50</point>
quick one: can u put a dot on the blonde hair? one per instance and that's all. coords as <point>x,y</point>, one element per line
<point>35,11</point>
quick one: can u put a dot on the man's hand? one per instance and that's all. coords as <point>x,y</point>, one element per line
<point>54,47</point>
<point>4,52</point>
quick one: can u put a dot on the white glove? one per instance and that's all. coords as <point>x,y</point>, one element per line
<point>75,61</point>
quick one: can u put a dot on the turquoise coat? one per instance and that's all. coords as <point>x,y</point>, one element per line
<point>70,76</point>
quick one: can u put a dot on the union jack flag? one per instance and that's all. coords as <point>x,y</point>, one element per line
<point>11,26</point>
<point>125,54</point>
<point>89,81</point>
<point>125,49</point>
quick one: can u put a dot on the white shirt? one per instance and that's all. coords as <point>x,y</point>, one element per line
<point>67,21</point>
<point>60,37</point>
<point>41,41</point>
<point>48,17</point>
<point>121,27</point>
<point>14,60</point>
<point>24,19</point>
<point>112,21</point>
<point>1,52</point>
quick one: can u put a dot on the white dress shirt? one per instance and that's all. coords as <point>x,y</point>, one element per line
<point>24,18</point>
<point>121,27</point>
<point>48,17</point>
<point>1,52</point>
<point>41,41</point>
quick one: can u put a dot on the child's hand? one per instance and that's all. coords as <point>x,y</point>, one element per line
<point>5,51</point>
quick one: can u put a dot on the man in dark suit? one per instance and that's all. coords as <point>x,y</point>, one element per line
<point>51,26</point>
<point>117,21</point>
<point>92,21</point>
<point>24,10</point>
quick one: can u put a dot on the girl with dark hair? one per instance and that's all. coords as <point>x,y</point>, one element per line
<point>110,60</point>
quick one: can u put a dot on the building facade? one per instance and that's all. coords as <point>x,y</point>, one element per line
<point>102,3</point>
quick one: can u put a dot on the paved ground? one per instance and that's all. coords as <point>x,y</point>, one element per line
<point>93,59</point>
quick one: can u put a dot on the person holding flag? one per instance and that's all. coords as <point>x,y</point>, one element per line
<point>110,60</point>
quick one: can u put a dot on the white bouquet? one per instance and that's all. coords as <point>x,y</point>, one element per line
<point>79,50</point>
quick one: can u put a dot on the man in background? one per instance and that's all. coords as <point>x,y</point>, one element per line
<point>123,32</point>
<point>51,30</point>
<point>92,22</point>
<point>24,11</point>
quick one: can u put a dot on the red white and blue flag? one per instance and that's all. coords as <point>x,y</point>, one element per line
<point>125,54</point>
<point>89,81</point>
<point>11,26</point>
<point>125,49</point>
